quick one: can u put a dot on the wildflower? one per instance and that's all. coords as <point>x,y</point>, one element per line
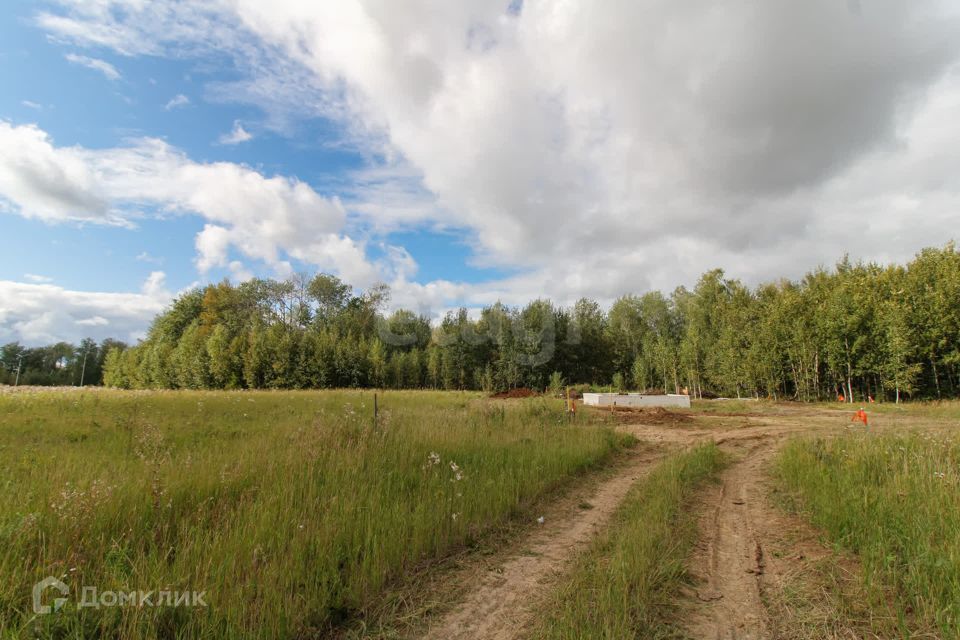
<point>540,520</point>
<point>457,473</point>
<point>455,516</point>
<point>433,458</point>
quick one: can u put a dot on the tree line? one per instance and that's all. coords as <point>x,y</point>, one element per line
<point>858,330</point>
<point>62,364</point>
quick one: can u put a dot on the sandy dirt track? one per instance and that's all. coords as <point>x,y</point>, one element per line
<point>502,604</point>
<point>728,564</point>
<point>731,557</point>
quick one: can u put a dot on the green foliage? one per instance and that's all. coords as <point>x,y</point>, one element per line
<point>556,386</point>
<point>58,364</point>
<point>860,331</point>
<point>618,383</point>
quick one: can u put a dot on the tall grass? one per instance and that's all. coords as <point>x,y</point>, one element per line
<point>895,501</point>
<point>289,509</point>
<point>623,586</point>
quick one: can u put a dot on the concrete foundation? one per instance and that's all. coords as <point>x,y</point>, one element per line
<point>636,400</point>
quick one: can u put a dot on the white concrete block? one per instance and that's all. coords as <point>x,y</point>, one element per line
<point>636,400</point>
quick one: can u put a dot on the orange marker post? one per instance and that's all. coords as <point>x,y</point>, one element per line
<point>860,415</point>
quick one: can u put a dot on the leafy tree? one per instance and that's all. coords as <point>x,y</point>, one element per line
<point>330,294</point>
<point>865,329</point>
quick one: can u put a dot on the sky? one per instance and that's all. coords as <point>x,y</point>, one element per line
<point>462,152</point>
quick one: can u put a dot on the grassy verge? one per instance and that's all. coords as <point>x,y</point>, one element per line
<point>895,502</point>
<point>622,587</point>
<point>437,587</point>
<point>289,509</point>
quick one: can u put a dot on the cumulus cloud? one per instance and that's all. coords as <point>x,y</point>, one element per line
<point>264,218</point>
<point>605,151</point>
<point>96,64</point>
<point>178,100</point>
<point>237,135</point>
<point>238,272</point>
<point>38,180</point>
<point>37,314</point>
<point>32,277</point>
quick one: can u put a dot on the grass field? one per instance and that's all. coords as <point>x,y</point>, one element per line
<point>290,510</point>
<point>894,500</point>
<point>623,587</point>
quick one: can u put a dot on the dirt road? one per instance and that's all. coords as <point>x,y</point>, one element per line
<point>730,557</point>
<point>729,563</point>
<point>502,604</point>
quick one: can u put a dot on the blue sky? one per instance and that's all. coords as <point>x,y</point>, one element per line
<point>462,152</point>
<point>78,105</point>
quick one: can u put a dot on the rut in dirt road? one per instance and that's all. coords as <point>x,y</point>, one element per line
<point>729,562</point>
<point>502,605</point>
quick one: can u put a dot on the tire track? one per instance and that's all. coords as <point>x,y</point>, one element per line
<point>502,606</point>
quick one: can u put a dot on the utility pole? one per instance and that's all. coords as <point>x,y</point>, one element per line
<point>83,369</point>
<point>19,361</point>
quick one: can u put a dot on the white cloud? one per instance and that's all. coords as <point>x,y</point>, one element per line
<point>264,218</point>
<point>602,151</point>
<point>239,272</point>
<point>237,135</point>
<point>40,181</point>
<point>32,277</point>
<point>178,100</point>
<point>37,314</point>
<point>144,256</point>
<point>95,321</point>
<point>213,245</point>
<point>96,64</point>
<point>155,285</point>
<point>32,105</point>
